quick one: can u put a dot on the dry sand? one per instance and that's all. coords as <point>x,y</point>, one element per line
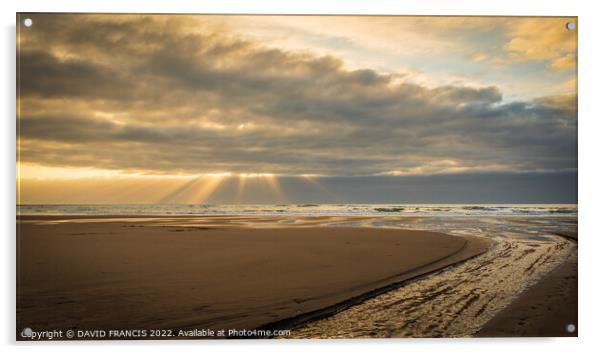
<point>95,273</point>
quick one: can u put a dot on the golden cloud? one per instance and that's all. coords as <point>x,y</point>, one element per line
<point>545,39</point>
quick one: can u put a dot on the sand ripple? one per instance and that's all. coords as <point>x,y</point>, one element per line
<point>455,302</point>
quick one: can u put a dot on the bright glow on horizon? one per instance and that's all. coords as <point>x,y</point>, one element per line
<point>255,175</point>
<point>167,188</point>
<point>36,171</point>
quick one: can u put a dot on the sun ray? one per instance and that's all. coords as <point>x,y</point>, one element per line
<point>124,190</point>
<point>311,179</point>
<point>240,190</point>
<point>176,195</point>
<point>275,187</point>
<point>208,185</point>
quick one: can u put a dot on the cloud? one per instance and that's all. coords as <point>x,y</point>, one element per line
<point>545,39</point>
<point>167,95</point>
<point>566,62</point>
<point>47,76</point>
<point>478,56</point>
<point>566,103</point>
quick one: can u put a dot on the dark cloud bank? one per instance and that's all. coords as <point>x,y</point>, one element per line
<point>175,95</point>
<point>466,188</point>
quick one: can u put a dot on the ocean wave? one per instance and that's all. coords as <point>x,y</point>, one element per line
<point>301,209</point>
<point>390,210</point>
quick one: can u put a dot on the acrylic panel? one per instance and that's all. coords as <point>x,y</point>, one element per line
<point>245,176</point>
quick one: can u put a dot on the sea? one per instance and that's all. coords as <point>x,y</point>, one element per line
<point>566,210</point>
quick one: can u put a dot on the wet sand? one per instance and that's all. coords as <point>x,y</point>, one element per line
<point>208,272</point>
<point>460,300</point>
<point>546,309</point>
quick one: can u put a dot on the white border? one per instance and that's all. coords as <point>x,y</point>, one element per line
<point>374,7</point>
<point>589,176</point>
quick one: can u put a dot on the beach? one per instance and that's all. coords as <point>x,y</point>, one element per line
<point>524,285</point>
<point>116,272</point>
<point>317,276</point>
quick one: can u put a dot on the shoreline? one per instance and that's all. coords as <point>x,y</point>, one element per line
<point>306,318</point>
<point>456,302</point>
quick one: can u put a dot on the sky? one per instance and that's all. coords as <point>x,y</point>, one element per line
<point>274,109</point>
